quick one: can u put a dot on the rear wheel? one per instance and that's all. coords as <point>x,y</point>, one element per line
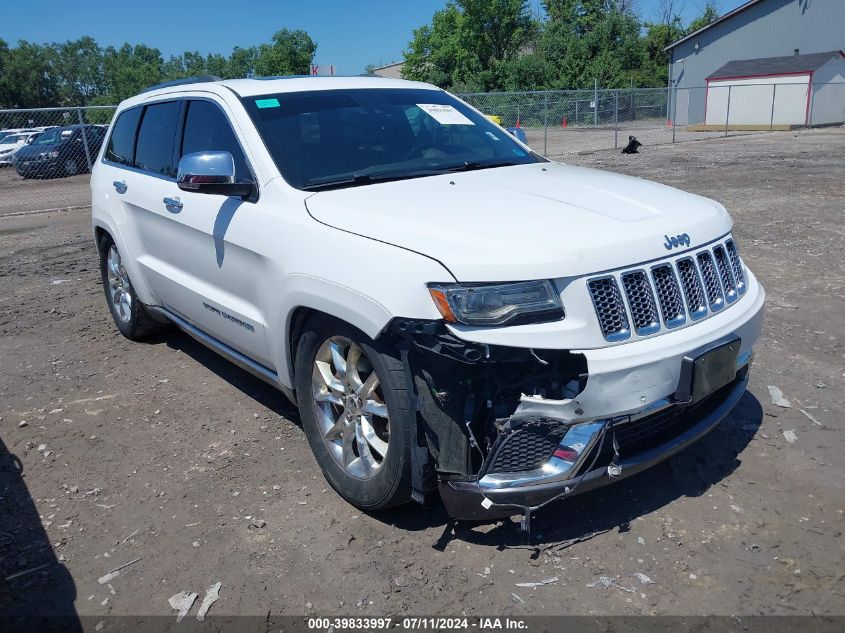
<point>71,168</point>
<point>354,409</point>
<point>130,315</point>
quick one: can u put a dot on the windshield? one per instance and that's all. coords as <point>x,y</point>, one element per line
<point>48,138</point>
<point>331,138</point>
<point>14,138</point>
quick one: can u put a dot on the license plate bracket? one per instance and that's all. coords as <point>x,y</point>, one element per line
<point>705,371</point>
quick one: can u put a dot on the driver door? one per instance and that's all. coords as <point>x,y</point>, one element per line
<point>216,280</point>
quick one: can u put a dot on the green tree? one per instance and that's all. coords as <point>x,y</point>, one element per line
<point>130,69</point>
<point>469,43</point>
<point>436,53</point>
<point>709,15</point>
<point>588,40</point>
<point>289,53</point>
<point>78,71</point>
<point>241,63</point>
<point>654,70</point>
<point>28,79</point>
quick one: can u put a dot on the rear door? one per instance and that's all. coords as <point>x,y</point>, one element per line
<point>144,174</point>
<point>209,241</point>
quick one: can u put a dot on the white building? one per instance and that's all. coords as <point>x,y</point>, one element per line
<point>790,90</point>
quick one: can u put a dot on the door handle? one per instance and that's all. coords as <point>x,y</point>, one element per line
<point>120,186</point>
<point>173,203</point>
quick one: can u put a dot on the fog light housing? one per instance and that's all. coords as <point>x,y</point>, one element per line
<point>578,439</point>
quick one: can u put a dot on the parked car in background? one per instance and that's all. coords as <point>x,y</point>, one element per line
<point>60,152</point>
<point>10,145</point>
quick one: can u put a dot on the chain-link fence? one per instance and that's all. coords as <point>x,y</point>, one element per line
<point>46,155</point>
<point>560,122</point>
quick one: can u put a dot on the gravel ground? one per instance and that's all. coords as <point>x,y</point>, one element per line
<point>25,195</point>
<point>112,451</point>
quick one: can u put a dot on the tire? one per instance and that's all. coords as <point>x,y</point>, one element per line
<point>356,473</point>
<point>71,168</point>
<point>129,314</point>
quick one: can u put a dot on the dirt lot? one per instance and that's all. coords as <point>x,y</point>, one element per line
<point>162,452</point>
<point>560,141</point>
<point>19,194</point>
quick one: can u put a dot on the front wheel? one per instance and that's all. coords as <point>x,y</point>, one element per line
<point>71,168</point>
<point>355,412</point>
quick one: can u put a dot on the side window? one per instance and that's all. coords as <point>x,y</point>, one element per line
<point>154,150</point>
<point>208,130</point>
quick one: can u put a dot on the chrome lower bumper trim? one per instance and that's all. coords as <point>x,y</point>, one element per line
<point>463,499</point>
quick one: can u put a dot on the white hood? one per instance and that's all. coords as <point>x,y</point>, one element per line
<point>535,221</point>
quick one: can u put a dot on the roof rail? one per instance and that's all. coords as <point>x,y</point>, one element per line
<point>197,79</point>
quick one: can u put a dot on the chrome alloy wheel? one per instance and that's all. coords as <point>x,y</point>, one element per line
<point>119,289</point>
<point>350,407</point>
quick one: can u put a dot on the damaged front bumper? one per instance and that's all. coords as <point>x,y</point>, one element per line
<point>495,495</point>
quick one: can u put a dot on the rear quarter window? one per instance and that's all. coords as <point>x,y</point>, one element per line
<point>122,140</point>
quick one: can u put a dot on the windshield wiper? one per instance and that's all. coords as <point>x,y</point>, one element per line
<point>356,180</point>
<point>352,181</point>
<point>473,165</point>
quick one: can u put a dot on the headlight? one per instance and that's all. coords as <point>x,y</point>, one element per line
<point>497,304</point>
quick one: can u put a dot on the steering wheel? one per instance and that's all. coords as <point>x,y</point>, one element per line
<point>418,149</point>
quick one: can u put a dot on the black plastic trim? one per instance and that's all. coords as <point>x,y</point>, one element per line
<point>462,498</point>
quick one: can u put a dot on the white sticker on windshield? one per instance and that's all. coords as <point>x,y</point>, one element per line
<point>444,114</point>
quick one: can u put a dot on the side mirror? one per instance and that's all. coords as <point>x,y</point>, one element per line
<point>211,172</point>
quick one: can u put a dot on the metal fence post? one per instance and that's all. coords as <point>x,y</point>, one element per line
<point>84,137</point>
<point>674,97</point>
<point>772,119</point>
<point>728,111</point>
<point>545,124</point>
<point>595,101</point>
<point>616,119</point>
<point>812,102</point>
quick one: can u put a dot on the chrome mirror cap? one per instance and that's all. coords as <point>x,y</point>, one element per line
<point>205,168</point>
<point>212,173</point>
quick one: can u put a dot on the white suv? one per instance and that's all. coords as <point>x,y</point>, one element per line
<point>447,308</point>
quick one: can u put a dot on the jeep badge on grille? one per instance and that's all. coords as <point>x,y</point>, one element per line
<point>676,241</point>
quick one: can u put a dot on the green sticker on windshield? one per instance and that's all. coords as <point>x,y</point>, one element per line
<point>267,103</point>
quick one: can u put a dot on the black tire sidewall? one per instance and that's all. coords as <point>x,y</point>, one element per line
<point>129,328</point>
<point>390,486</point>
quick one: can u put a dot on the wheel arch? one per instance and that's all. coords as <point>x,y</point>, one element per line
<point>306,297</point>
<point>102,226</point>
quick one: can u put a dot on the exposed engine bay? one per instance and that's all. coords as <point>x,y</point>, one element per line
<point>469,395</point>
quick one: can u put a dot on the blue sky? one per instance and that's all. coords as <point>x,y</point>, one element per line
<point>349,33</point>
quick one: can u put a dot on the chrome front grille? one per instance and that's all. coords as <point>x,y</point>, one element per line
<point>693,290</point>
<point>669,295</point>
<point>712,287</point>
<point>725,274</point>
<point>610,308</point>
<point>736,266</point>
<point>642,302</point>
